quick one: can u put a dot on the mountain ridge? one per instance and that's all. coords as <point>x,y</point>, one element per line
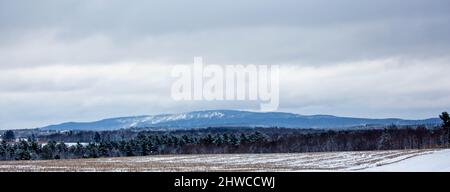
<point>233,118</point>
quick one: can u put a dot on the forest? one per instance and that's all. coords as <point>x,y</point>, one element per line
<point>219,140</point>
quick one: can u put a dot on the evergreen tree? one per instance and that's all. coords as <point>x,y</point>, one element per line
<point>257,137</point>
<point>11,150</point>
<point>207,140</point>
<point>445,117</point>
<point>129,149</point>
<point>218,140</point>
<point>244,139</point>
<point>234,141</point>
<point>62,150</point>
<point>143,144</point>
<point>9,136</point>
<point>97,137</point>
<point>92,150</point>
<point>35,149</point>
<point>385,141</point>
<point>23,152</point>
<point>103,149</point>
<point>226,138</point>
<point>49,150</point>
<point>187,139</point>
<point>79,150</point>
<point>3,150</point>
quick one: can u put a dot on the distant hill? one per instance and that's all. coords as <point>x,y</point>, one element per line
<point>231,118</point>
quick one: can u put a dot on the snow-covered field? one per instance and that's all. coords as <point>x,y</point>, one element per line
<point>438,161</point>
<point>397,160</point>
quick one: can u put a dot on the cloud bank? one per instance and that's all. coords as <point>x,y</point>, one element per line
<point>86,60</point>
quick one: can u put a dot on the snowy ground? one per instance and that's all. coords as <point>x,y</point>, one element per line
<point>397,160</point>
<point>438,161</point>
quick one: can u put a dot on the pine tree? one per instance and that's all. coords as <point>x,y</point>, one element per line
<point>218,140</point>
<point>226,138</point>
<point>257,137</point>
<point>244,139</point>
<point>35,149</point>
<point>62,149</point>
<point>103,149</point>
<point>129,149</point>
<point>186,139</point>
<point>234,141</point>
<point>23,151</point>
<point>97,137</point>
<point>207,140</point>
<point>79,150</point>
<point>9,136</point>
<point>3,150</point>
<point>143,143</point>
<point>385,141</point>
<point>92,150</point>
<point>445,117</point>
<point>48,151</point>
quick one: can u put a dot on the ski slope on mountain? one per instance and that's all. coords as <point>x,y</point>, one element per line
<point>437,161</point>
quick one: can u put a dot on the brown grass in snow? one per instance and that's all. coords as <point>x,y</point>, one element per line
<point>332,161</point>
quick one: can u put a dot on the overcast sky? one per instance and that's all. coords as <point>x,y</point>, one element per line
<point>87,60</point>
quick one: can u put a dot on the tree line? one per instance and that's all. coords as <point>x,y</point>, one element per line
<point>215,141</point>
<point>256,142</point>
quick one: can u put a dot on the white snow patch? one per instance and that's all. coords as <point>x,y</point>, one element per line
<point>436,161</point>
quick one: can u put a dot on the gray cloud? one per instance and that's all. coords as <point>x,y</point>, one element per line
<point>90,59</point>
<point>223,31</point>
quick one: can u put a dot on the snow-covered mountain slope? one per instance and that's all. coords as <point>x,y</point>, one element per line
<point>230,118</point>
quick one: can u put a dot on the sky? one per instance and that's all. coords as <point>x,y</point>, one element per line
<point>85,60</point>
